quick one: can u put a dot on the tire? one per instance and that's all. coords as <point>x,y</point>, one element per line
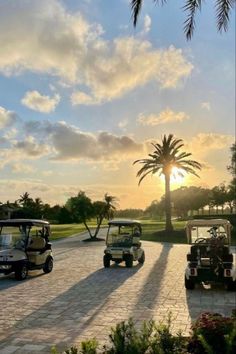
<point>129,261</point>
<point>141,260</point>
<point>106,261</point>
<point>48,266</point>
<point>21,273</point>
<point>231,286</point>
<point>189,284</point>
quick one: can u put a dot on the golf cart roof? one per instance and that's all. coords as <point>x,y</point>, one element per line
<point>207,222</point>
<point>124,222</point>
<point>27,222</point>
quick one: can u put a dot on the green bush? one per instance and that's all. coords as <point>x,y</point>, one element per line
<point>211,333</point>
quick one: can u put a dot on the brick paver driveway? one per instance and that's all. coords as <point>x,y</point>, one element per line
<point>81,299</point>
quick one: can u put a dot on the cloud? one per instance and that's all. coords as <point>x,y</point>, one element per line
<point>20,167</point>
<point>65,45</point>
<point>206,105</point>
<point>123,124</point>
<point>68,142</point>
<point>7,118</point>
<point>10,134</point>
<point>34,100</point>
<point>146,24</point>
<point>71,143</point>
<point>203,142</point>
<point>26,149</point>
<point>80,97</point>
<point>163,117</point>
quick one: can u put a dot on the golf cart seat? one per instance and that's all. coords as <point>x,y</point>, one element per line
<point>37,244</point>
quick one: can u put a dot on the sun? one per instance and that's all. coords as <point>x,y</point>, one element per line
<point>175,178</point>
<point>176,175</point>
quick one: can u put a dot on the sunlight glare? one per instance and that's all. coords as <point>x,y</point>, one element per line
<point>175,177</point>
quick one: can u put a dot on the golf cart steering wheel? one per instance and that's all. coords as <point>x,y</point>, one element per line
<point>200,240</point>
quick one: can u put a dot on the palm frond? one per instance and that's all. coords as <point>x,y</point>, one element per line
<point>191,6</point>
<point>136,8</point>
<point>223,8</point>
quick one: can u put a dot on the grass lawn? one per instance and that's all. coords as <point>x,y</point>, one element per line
<point>66,230</point>
<point>152,231</point>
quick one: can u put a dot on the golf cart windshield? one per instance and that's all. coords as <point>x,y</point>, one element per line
<point>123,235</point>
<point>207,233</point>
<point>13,237</point>
<point>120,236</point>
<point>204,230</point>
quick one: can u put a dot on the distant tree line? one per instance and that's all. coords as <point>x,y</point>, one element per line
<point>196,200</point>
<point>79,209</point>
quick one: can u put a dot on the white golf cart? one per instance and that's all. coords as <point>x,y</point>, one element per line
<point>210,259</point>
<point>123,243</point>
<point>24,245</point>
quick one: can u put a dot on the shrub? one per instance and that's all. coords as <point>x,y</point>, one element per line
<point>211,333</point>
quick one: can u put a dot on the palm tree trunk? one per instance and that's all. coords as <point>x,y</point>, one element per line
<point>169,226</point>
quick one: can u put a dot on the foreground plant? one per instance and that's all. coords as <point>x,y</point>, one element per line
<point>211,333</point>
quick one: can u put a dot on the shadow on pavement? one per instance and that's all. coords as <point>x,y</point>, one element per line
<point>150,291</point>
<point>66,316</point>
<point>210,298</point>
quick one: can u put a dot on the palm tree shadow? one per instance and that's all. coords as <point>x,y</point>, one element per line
<point>152,287</point>
<point>71,312</point>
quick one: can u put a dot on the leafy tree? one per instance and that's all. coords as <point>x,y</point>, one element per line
<point>223,10</point>
<point>187,199</point>
<point>232,166</point>
<point>129,213</point>
<point>165,157</point>
<point>219,196</point>
<point>231,195</point>
<point>83,210</point>
<point>155,209</point>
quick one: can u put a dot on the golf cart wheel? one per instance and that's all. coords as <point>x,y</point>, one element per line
<point>231,286</point>
<point>106,261</point>
<point>129,261</point>
<point>48,266</point>
<point>141,260</point>
<point>189,284</point>
<point>21,273</point>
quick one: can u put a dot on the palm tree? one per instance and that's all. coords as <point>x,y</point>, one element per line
<point>166,156</point>
<point>223,9</point>
<point>25,198</point>
<point>110,207</point>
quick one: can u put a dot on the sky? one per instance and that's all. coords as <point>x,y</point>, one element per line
<point>83,94</point>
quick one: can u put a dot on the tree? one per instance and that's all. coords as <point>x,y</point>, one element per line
<point>219,196</point>
<point>187,199</point>
<point>223,10</point>
<point>83,210</point>
<point>155,209</point>
<point>231,195</point>
<point>232,167</point>
<point>165,157</point>
<point>25,199</point>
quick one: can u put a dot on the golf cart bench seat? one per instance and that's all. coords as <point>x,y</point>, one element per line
<point>36,244</point>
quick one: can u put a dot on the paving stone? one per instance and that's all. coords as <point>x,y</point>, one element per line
<point>9,349</point>
<point>80,299</point>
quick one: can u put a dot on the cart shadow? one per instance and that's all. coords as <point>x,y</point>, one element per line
<point>210,298</point>
<point>9,281</point>
<point>70,313</point>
